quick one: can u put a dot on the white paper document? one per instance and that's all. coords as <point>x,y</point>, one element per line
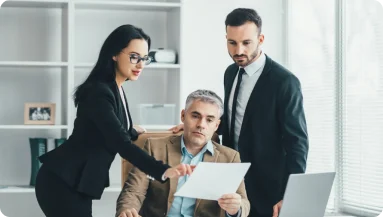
<point>210,181</point>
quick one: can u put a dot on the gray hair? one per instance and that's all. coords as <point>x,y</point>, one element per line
<point>205,96</point>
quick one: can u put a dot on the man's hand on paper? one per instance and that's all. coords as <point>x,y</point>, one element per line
<point>231,203</point>
<point>129,213</point>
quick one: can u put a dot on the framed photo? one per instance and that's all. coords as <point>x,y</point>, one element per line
<point>40,113</point>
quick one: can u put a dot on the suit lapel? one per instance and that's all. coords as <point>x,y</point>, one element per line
<point>127,110</point>
<point>207,157</point>
<point>229,85</point>
<point>174,158</point>
<point>230,80</point>
<point>255,94</point>
<point>120,105</point>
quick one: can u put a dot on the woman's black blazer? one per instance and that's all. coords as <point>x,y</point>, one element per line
<point>99,133</point>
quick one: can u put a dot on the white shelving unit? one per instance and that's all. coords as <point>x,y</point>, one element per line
<point>49,47</point>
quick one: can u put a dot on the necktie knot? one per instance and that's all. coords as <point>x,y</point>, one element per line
<point>241,71</point>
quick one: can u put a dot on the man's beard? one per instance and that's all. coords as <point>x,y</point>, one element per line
<point>248,59</point>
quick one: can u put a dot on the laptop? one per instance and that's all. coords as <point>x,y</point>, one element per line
<point>307,195</point>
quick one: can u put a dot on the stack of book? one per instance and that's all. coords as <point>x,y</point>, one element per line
<point>40,146</point>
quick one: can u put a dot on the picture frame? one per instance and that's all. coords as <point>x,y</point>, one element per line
<point>39,113</point>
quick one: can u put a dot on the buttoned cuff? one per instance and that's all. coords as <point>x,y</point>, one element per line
<point>237,215</point>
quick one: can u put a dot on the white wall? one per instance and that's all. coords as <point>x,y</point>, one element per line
<point>205,55</point>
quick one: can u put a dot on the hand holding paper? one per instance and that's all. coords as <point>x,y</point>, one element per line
<point>231,203</point>
<point>210,181</point>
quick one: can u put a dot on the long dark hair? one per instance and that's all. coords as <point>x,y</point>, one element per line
<point>104,70</point>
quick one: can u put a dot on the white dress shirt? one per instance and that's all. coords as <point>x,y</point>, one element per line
<point>126,110</point>
<point>249,79</point>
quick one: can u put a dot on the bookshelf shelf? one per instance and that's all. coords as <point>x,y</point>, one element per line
<point>26,127</point>
<point>17,189</point>
<point>150,66</point>
<point>35,3</point>
<point>33,63</point>
<point>31,189</point>
<point>113,189</point>
<point>127,5</point>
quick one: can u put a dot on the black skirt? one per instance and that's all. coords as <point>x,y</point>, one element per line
<point>57,199</point>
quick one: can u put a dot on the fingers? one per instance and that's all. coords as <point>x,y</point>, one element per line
<point>276,208</point>
<point>129,214</point>
<point>230,202</point>
<point>275,211</point>
<point>172,173</point>
<point>174,129</point>
<point>177,128</point>
<point>133,213</point>
<point>184,169</point>
<point>122,215</point>
<point>193,167</point>
<point>188,169</point>
<point>231,206</point>
<point>126,213</point>
<point>178,173</point>
<point>229,196</point>
<point>180,170</point>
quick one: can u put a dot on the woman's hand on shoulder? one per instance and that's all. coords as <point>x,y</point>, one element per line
<point>140,130</point>
<point>177,128</point>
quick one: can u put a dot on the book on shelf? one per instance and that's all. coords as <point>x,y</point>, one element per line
<point>40,146</point>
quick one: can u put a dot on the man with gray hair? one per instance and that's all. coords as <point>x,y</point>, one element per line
<point>141,196</point>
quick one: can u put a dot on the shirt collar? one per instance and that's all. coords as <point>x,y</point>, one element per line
<point>207,147</point>
<point>256,65</point>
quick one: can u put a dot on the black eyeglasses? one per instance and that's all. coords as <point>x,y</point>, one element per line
<point>135,59</point>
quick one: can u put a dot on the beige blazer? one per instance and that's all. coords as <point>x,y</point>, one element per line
<point>151,198</point>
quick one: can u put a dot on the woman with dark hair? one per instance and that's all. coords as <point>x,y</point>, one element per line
<point>77,172</point>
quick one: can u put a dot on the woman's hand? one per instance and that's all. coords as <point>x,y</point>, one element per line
<point>129,213</point>
<point>139,129</point>
<point>177,128</point>
<point>179,170</point>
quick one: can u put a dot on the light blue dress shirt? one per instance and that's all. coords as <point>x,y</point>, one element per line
<point>183,206</point>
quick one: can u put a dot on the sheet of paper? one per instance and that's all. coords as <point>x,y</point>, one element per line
<point>210,181</point>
